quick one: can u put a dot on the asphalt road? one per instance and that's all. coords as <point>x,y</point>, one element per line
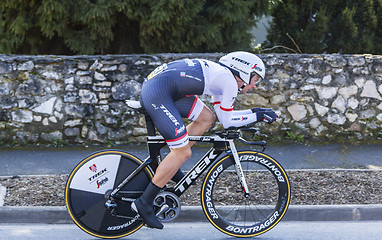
<point>41,161</point>
<point>191,231</point>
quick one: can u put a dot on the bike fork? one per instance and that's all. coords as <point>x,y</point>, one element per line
<point>238,168</point>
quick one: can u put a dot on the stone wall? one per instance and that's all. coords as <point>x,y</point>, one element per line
<point>80,99</point>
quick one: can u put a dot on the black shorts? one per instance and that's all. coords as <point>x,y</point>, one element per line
<point>169,95</point>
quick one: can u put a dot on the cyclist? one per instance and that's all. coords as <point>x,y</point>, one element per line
<point>169,93</point>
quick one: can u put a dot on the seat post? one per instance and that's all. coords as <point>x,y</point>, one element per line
<point>149,125</point>
<point>154,148</point>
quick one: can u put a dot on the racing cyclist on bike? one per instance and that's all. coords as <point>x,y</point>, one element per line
<point>169,93</point>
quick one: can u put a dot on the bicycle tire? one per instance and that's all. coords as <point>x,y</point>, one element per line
<point>88,184</point>
<point>225,204</point>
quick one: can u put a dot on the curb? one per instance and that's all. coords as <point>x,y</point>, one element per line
<point>59,214</point>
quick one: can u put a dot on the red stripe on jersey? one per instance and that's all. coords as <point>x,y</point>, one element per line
<point>226,109</point>
<point>176,139</point>
<point>216,103</point>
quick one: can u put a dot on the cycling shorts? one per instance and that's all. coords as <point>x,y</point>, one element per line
<point>169,95</point>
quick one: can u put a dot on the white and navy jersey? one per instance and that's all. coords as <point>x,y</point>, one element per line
<point>220,83</point>
<point>169,94</point>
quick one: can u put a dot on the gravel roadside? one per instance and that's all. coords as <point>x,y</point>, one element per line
<point>313,187</point>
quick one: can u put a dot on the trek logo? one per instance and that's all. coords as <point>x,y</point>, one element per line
<point>102,182</point>
<point>93,168</point>
<point>97,175</point>
<point>202,165</point>
<point>240,119</point>
<point>169,115</point>
<point>247,63</point>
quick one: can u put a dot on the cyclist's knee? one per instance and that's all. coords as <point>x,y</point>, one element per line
<point>183,153</point>
<point>186,153</point>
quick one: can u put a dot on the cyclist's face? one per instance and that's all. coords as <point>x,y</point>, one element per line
<point>250,86</point>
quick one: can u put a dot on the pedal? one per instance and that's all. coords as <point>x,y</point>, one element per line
<point>162,210</point>
<point>166,206</point>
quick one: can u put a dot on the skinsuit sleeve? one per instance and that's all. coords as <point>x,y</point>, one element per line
<point>223,106</point>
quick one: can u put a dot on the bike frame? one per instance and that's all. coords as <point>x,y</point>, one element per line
<point>107,212</point>
<point>157,142</point>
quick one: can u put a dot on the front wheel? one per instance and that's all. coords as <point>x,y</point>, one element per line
<point>233,212</point>
<point>88,187</point>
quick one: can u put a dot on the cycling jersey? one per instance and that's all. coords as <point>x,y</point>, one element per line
<point>221,84</point>
<point>168,94</point>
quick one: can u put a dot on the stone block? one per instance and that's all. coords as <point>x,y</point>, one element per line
<point>339,104</point>
<point>321,110</point>
<point>23,116</point>
<point>71,132</point>
<point>346,92</point>
<point>326,92</point>
<point>87,96</point>
<point>297,111</point>
<point>26,66</point>
<point>46,107</point>
<point>370,90</point>
<point>336,119</point>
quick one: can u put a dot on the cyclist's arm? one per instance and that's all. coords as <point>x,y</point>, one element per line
<point>229,117</point>
<point>224,87</point>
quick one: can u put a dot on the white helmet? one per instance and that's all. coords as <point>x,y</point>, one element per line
<point>244,65</point>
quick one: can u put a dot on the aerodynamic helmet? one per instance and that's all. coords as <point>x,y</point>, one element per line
<point>244,65</point>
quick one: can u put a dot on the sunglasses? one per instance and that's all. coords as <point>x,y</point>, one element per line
<point>259,79</point>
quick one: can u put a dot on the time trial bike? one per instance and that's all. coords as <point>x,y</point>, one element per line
<point>244,193</point>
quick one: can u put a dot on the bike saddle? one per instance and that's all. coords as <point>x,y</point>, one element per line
<point>135,105</point>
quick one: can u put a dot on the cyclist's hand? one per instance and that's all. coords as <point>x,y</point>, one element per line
<point>270,116</point>
<point>265,114</point>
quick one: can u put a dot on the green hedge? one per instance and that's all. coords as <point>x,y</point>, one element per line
<point>327,26</point>
<point>126,26</point>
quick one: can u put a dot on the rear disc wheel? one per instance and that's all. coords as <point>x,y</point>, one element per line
<point>90,183</point>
